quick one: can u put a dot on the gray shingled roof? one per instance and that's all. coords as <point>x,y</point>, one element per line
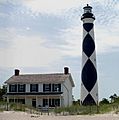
<point>40,78</point>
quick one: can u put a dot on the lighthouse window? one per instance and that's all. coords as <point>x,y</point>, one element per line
<point>87,11</point>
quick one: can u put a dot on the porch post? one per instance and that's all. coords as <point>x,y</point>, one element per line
<point>60,101</point>
<point>25,99</point>
<point>36,102</point>
<point>7,99</point>
<point>48,101</point>
<point>14,99</point>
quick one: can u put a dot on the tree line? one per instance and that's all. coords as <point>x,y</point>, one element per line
<point>112,99</point>
<point>2,91</point>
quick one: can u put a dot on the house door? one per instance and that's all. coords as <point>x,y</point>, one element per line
<point>34,102</point>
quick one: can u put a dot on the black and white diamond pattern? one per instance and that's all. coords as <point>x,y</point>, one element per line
<point>89,85</point>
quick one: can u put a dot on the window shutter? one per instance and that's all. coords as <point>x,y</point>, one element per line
<point>9,88</point>
<point>36,87</point>
<point>30,87</point>
<point>49,87</point>
<point>53,87</point>
<point>24,88</point>
<point>43,87</point>
<point>16,88</point>
<point>59,85</point>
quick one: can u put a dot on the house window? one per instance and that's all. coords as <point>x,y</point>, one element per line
<point>11,100</point>
<point>45,102</point>
<point>54,102</point>
<point>57,102</point>
<point>51,102</point>
<point>22,101</point>
<point>34,87</point>
<point>21,88</point>
<point>12,88</point>
<point>56,87</point>
<point>46,87</point>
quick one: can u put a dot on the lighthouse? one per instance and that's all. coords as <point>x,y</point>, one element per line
<point>89,84</point>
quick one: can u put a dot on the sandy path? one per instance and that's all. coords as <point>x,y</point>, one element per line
<point>11,115</point>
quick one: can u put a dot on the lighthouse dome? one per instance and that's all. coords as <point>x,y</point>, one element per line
<point>87,12</point>
<point>87,9</point>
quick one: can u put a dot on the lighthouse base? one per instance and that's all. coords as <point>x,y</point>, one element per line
<point>88,101</point>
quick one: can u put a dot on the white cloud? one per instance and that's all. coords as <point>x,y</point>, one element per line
<point>27,51</point>
<point>106,40</point>
<point>3,15</point>
<point>6,35</point>
<point>3,1</point>
<point>73,36</point>
<point>14,2</point>
<point>117,6</point>
<point>53,6</point>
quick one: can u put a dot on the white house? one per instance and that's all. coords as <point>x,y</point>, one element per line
<point>41,89</point>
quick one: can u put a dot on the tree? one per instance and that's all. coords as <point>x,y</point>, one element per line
<point>104,101</point>
<point>2,91</point>
<point>117,100</point>
<point>113,98</point>
<point>76,102</point>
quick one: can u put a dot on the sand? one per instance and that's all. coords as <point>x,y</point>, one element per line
<point>11,115</point>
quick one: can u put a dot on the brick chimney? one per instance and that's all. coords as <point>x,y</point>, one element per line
<point>66,70</point>
<point>16,72</point>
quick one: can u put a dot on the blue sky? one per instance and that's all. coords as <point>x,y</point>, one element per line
<point>43,36</point>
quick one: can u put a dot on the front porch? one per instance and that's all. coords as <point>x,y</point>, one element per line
<point>38,101</point>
